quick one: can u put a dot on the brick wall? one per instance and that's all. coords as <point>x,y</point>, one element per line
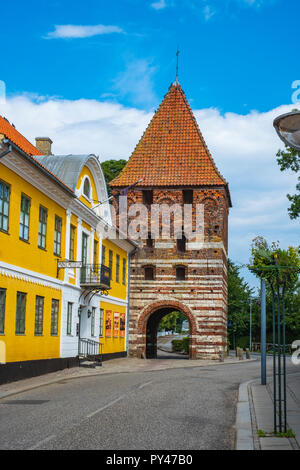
<point>202,296</point>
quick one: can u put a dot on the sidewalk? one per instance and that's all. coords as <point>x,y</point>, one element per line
<point>255,412</point>
<point>113,366</point>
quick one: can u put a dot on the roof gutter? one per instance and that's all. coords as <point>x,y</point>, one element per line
<point>36,164</point>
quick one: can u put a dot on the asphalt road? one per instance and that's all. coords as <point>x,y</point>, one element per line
<point>182,408</point>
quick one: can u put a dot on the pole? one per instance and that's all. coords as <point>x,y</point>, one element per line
<point>274,361</point>
<point>284,360</point>
<point>263,333</point>
<point>279,362</point>
<point>250,340</point>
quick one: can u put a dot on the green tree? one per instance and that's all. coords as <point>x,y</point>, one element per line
<point>266,257</point>
<point>239,294</point>
<point>111,169</point>
<point>289,159</point>
<point>172,322</point>
<point>264,261</point>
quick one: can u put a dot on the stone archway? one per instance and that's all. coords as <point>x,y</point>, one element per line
<point>146,338</point>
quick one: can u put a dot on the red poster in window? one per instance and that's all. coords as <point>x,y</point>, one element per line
<point>116,325</point>
<point>122,325</point>
<point>108,323</point>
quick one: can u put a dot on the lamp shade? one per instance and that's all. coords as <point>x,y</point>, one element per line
<point>288,128</point>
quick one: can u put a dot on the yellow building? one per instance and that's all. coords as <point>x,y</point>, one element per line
<point>63,285</point>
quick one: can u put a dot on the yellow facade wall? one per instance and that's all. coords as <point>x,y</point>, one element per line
<point>27,254</point>
<point>110,343</point>
<point>118,289</point>
<point>28,346</point>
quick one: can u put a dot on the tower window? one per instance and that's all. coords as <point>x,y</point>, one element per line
<point>180,273</point>
<point>187,195</point>
<point>149,241</point>
<point>147,197</point>
<point>149,273</point>
<point>181,244</point>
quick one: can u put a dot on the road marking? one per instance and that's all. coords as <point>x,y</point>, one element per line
<point>106,406</point>
<point>144,385</point>
<point>42,442</point>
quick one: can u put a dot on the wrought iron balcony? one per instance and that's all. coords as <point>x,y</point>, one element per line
<point>95,276</point>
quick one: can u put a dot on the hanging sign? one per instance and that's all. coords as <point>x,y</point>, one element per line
<point>66,264</point>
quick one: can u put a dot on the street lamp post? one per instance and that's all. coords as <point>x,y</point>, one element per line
<point>263,347</point>
<point>250,333</point>
<point>288,128</point>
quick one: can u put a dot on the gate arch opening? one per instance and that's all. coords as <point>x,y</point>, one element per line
<point>153,340</point>
<point>149,322</point>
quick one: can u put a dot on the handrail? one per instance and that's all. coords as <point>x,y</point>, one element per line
<point>89,347</point>
<point>95,274</point>
<point>269,347</point>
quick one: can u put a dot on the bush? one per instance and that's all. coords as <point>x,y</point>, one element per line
<point>177,345</point>
<point>181,345</point>
<point>243,342</point>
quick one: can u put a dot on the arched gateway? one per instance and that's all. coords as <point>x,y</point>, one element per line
<point>148,325</point>
<point>173,165</point>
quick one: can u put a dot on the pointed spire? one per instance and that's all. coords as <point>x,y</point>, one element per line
<point>172,150</point>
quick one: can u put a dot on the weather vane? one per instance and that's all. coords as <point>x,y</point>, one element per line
<point>177,63</point>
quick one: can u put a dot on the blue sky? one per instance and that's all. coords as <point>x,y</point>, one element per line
<point>236,55</point>
<point>90,74</point>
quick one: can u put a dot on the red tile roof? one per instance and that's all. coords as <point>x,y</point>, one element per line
<point>172,151</point>
<point>12,134</point>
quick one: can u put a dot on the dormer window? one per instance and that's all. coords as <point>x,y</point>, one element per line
<point>87,188</point>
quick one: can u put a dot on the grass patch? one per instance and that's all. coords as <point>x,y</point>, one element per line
<point>288,433</point>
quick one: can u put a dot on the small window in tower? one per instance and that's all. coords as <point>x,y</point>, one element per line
<point>149,241</point>
<point>148,197</point>
<point>181,244</point>
<point>149,273</point>
<point>216,228</point>
<point>187,195</point>
<point>180,273</point>
<point>87,188</point>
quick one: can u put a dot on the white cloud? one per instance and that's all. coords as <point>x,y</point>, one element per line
<point>70,31</point>
<point>243,147</point>
<point>159,5</point>
<point>208,12</point>
<point>135,83</point>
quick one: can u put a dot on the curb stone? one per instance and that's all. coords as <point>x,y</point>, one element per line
<point>246,424</point>
<point>244,435</point>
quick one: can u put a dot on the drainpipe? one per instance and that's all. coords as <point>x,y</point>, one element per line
<point>128,300</point>
<point>5,151</point>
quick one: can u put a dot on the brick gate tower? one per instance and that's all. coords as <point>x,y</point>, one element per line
<point>176,167</point>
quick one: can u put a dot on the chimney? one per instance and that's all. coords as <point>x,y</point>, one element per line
<point>44,145</point>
